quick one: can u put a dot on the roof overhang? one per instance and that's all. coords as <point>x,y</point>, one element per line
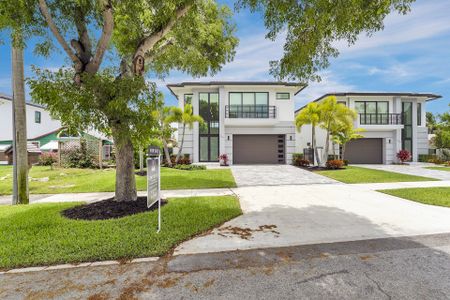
<point>299,86</point>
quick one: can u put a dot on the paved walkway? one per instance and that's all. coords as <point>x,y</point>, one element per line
<point>275,175</point>
<point>92,197</point>
<point>400,185</point>
<point>417,169</point>
<point>319,213</point>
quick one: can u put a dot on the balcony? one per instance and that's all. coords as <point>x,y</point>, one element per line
<point>380,119</point>
<point>250,112</point>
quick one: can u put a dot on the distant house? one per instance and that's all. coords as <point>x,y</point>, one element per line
<point>33,154</point>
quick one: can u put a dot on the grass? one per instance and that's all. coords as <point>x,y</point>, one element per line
<point>353,174</point>
<point>434,195</point>
<point>439,168</point>
<point>87,180</point>
<point>37,234</point>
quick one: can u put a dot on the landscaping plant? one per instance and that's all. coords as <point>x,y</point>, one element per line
<point>302,162</point>
<point>403,155</point>
<point>224,159</point>
<point>48,159</point>
<point>334,164</point>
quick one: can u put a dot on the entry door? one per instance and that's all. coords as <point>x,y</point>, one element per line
<point>209,131</point>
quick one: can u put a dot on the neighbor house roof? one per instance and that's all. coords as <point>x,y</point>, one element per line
<point>300,86</point>
<point>31,148</point>
<point>424,95</point>
<point>8,97</point>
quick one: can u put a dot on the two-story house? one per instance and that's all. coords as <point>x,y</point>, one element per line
<point>391,122</point>
<point>251,122</point>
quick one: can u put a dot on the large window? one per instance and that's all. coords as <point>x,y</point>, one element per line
<point>248,105</point>
<point>407,134</point>
<point>209,131</point>
<point>419,114</point>
<point>188,99</point>
<point>373,112</point>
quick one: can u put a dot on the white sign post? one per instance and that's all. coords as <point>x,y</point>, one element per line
<point>154,180</point>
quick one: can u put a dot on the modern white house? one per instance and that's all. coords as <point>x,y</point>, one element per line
<point>392,122</point>
<point>251,122</point>
<point>39,121</point>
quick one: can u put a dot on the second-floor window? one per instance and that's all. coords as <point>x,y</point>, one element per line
<point>188,99</point>
<point>373,112</point>
<point>249,105</point>
<point>283,96</point>
<point>419,114</point>
<point>37,117</point>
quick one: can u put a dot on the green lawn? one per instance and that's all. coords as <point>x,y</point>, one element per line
<point>87,180</point>
<point>37,234</point>
<point>435,195</point>
<point>439,168</point>
<point>363,175</point>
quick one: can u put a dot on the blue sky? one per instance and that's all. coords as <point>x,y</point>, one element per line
<point>412,54</point>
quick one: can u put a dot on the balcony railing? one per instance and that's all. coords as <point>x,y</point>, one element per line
<point>250,111</point>
<point>380,119</point>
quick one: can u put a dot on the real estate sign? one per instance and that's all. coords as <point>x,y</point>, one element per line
<point>154,180</point>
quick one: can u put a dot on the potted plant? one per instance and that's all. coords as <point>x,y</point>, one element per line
<point>223,158</point>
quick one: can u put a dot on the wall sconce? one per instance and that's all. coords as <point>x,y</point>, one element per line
<point>228,137</point>
<point>389,141</point>
<point>290,137</point>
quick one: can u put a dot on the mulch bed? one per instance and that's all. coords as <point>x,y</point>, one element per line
<point>317,168</point>
<point>109,209</point>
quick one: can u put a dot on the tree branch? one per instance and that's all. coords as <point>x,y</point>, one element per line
<point>54,29</point>
<point>149,42</point>
<point>150,55</point>
<point>108,26</point>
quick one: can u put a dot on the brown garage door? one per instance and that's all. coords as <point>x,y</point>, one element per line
<point>364,151</point>
<point>258,149</point>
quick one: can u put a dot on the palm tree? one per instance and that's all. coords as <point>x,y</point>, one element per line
<point>185,117</point>
<point>345,134</point>
<point>333,116</point>
<point>165,116</point>
<point>310,115</point>
<point>20,188</point>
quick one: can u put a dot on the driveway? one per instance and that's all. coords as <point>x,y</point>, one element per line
<point>272,175</point>
<point>293,215</point>
<point>417,169</point>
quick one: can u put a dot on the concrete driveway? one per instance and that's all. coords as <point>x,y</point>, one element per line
<point>321,213</point>
<point>271,175</point>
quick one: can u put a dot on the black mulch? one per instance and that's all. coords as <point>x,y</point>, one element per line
<point>109,209</point>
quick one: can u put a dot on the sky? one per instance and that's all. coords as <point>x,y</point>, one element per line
<point>411,54</point>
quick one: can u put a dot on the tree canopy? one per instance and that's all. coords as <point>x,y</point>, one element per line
<point>313,26</point>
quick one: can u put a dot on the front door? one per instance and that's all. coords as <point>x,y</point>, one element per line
<point>209,131</point>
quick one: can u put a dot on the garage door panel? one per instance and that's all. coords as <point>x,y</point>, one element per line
<point>364,151</point>
<point>258,149</point>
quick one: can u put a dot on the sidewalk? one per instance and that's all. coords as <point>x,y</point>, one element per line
<point>400,185</point>
<point>92,197</point>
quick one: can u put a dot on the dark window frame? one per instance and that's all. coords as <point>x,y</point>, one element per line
<point>283,93</point>
<point>376,109</point>
<point>184,98</point>
<point>209,135</point>
<point>419,114</point>
<point>407,126</point>
<point>242,97</point>
<point>37,117</point>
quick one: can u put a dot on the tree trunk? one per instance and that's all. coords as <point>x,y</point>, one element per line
<point>125,178</point>
<point>166,153</point>
<point>327,147</point>
<point>141,160</point>
<point>316,153</point>
<point>20,129</point>
<point>181,145</point>
<point>343,151</point>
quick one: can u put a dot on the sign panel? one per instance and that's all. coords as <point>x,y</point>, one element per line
<point>153,151</point>
<point>152,181</point>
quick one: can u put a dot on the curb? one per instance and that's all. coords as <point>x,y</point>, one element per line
<point>80,265</point>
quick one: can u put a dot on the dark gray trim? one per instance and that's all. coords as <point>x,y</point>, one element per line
<point>249,83</point>
<point>429,96</point>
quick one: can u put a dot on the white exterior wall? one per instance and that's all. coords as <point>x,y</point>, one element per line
<point>282,124</point>
<point>33,129</point>
<point>391,134</point>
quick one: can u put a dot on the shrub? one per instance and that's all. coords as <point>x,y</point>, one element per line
<point>426,157</point>
<point>302,163</point>
<point>334,164</point>
<point>403,155</point>
<point>184,160</point>
<point>345,162</point>
<point>79,157</point>
<point>436,161</point>
<point>223,159</point>
<point>297,156</point>
<point>48,159</point>
<point>189,167</point>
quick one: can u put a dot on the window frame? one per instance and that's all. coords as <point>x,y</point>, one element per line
<point>281,94</point>
<point>184,98</point>
<point>419,113</point>
<point>37,117</point>
<point>376,111</point>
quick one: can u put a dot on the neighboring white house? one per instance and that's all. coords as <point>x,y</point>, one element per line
<point>392,121</point>
<point>39,121</point>
<point>251,122</point>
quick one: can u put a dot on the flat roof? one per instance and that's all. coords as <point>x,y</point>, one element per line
<point>301,86</point>
<point>8,97</point>
<point>429,96</point>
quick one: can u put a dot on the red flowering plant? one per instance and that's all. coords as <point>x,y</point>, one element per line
<point>403,155</point>
<point>224,159</point>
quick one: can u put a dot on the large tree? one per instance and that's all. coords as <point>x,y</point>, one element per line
<point>314,26</point>
<point>143,36</point>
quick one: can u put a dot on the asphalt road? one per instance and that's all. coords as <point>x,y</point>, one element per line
<point>391,268</point>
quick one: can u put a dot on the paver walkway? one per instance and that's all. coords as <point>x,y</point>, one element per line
<point>417,169</point>
<point>270,175</point>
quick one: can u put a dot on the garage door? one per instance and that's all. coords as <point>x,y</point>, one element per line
<point>364,151</point>
<point>258,149</point>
